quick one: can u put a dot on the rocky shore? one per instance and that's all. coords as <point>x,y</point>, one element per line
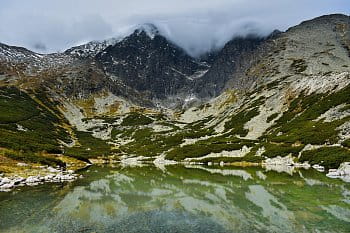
<point>50,175</point>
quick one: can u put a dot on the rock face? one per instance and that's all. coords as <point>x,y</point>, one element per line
<point>150,64</point>
<point>230,65</point>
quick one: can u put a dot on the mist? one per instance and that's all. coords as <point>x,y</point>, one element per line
<point>197,26</point>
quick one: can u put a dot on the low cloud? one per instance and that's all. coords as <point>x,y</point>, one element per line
<point>195,25</point>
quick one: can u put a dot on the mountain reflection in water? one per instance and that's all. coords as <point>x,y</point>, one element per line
<point>181,199</point>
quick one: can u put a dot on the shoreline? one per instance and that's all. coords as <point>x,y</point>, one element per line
<point>58,175</point>
<point>52,175</point>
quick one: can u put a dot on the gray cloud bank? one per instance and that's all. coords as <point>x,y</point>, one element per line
<point>195,25</point>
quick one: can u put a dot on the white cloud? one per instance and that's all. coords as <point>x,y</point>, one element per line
<point>195,25</point>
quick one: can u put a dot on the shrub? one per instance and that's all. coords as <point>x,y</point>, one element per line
<point>134,119</point>
<point>329,157</point>
<point>274,150</point>
<point>346,143</point>
<point>34,158</point>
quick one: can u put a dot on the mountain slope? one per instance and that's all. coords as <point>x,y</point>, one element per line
<point>298,106</point>
<point>279,100</point>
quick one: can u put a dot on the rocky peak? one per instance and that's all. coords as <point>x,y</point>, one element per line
<point>150,29</point>
<point>150,63</point>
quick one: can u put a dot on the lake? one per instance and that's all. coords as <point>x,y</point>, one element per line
<point>181,199</point>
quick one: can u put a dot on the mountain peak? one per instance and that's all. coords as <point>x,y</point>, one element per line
<point>324,21</point>
<point>150,29</point>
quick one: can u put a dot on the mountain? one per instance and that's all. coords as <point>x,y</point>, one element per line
<point>283,100</point>
<point>150,64</point>
<point>144,67</point>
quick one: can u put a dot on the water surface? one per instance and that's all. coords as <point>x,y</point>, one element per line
<point>179,199</point>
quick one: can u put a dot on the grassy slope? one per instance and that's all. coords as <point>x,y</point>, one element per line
<point>288,135</point>
<point>31,129</point>
<point>41,130</point>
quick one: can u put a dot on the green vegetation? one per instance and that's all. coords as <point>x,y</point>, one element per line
<point>134,119</point>
<point>148,143</point>
<point>90,147</point>
<point>298,123</point>
<point>34,128</point>
<point>28,126</point>
<point>205,147</point>
<point>41,130</point>
<point>33,158</point>
<point>346,143</point>
<point>237,122</point>
<point>274,150</point>
<point>272,117</point>
<point>16,106</point>
<point>329,157</point>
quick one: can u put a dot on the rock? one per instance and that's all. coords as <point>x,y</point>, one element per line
<point>32,180</point>
<point>343,172</point>
<point>318,168</point>
<point>344,168</point>
<point>22,164</point>
<point>304,165</point>
<point>7,186</point>
<point>287,161</point>
<point>333,174</point>
<point>5,181</point>
<point>48,177</point>
<point>53,170</point>
<point>260,151</point>
<point>18,180</point>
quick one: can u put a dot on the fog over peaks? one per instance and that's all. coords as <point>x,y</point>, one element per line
<point>198,26</point>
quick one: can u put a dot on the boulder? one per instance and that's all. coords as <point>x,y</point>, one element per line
<point>342,172</point>
<point>7,186</point>
<point>344,168</point>
<point>32,180</point>
<point>318,168</point>
<point>4,180</point>
<point>18,180</point>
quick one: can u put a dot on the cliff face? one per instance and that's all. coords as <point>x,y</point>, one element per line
<point>150,64</point>
<point>286,95</point>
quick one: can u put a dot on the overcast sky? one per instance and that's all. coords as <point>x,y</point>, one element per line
<point>196,25</point>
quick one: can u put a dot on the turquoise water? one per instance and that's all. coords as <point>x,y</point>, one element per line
<point>178,199</point>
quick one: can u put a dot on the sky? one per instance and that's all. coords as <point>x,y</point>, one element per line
<point>197,26</point>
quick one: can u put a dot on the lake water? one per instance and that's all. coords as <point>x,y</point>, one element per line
<point>181,199</point>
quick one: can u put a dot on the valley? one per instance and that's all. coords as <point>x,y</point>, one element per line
<point>282,101</point>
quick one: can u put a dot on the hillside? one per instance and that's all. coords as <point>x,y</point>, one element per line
<point>283,100</point>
